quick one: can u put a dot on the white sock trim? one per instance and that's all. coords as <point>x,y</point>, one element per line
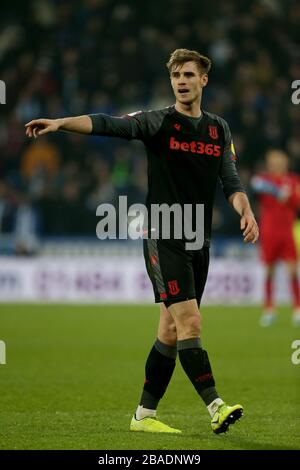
<point>214,405</point>
<point>142,412</point>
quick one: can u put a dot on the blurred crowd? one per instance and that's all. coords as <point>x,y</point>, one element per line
<point>61,58</point>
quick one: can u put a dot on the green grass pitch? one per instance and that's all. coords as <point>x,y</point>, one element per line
<point>74,375</point>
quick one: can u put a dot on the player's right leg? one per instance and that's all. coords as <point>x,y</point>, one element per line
<point>171,275</point>
<point>158,372</point>
<point>268,316</point>
<point>270,248</point>
<point>295,289</point>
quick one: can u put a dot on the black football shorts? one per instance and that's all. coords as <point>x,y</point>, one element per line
<point>176,274</point>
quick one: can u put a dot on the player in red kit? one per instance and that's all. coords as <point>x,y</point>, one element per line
<point>279,196</point>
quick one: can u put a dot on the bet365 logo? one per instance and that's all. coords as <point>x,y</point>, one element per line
<point>2,92</point>
<point>296,354</point>
<point>2,353</point>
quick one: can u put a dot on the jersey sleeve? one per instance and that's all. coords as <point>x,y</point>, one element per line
<point>228,174</point>
<point>130,126</point>
<point>261,185</point>
<point>294,198</point>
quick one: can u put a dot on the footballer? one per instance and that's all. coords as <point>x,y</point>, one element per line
<point>188,151</point>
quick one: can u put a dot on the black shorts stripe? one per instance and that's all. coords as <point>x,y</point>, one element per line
<point>155,265</point>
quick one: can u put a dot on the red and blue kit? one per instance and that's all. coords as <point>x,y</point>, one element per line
<point>279,198</point>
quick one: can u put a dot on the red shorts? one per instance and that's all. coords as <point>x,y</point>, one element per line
<point>278,246</point>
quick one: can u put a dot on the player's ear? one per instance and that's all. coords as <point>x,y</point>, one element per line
<point>204,79</point>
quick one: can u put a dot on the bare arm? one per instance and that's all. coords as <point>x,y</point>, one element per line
<point>241,205</point>
<point>78,124</point>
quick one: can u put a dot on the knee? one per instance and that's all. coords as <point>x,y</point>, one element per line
<point>190,327</point>
<point>194,325</point>
<point>168,334</point>
<point>171,330</point>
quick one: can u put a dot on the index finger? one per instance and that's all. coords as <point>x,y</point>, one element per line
<point>34,121</point>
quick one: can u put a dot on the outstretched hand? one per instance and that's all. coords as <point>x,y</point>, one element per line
<point>39,127</point>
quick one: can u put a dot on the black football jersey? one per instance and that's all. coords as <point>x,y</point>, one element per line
<point>186,155</point>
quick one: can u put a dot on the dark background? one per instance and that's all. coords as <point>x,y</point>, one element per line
<point>61,58</point>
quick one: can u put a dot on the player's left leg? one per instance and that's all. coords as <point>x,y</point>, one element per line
<point>295,290</point>
<point>195,362</point>
<point>158,372</point>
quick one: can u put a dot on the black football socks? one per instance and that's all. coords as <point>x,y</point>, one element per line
<point>196,365</point>
<point>158,372</point>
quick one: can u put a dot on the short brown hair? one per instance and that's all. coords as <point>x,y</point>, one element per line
<point>180,56</point>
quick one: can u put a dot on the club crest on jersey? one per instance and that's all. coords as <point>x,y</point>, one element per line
<point>173,287</point>
<point>213,132</point>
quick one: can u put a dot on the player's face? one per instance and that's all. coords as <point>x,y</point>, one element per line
<point>277,163</point>
<point>187,82</point>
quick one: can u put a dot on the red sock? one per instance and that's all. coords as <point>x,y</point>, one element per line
<point>268,302</point>
<point>295,291</point>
